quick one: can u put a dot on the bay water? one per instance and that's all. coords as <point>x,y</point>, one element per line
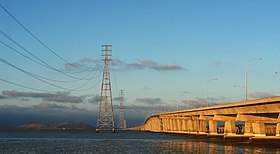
<point>124,142</point>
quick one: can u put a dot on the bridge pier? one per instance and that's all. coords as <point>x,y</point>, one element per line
<point>195,122</point>
<point>196,126</point>
<point>179,124</point>
<point>248,128</point>
<point>174,124</point>
<point>258,129</point>
<point>230,127</point>
<point>152,124</point>
<point>278,126</point>
<point>165,124</point>
<point>184,125</point>
<point>161,124</point>
<point>168,124</point>
<point>213,125</point>
<point>278,129</point>
<point>202,126</point>
<point>189,126</point>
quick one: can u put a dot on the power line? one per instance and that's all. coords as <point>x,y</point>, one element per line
<point>96,67</point>
<point>23,86</point>
<point>40,64</point>
<point>40,41</point>
<point>30,74</point>
<point>41,78</point>
<point>43,63</point>
<point>27,87</point>
<point>13,49</point>
<point>77,89</point>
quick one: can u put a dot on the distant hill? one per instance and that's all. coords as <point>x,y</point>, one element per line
<point>38,127</point>
<point>61,126</point>
<point>74,126</point>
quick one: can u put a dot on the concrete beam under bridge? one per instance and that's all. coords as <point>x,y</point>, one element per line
<point>224,117</point>
<point>267,118</point>
<point>176,118</point>
<point>205,117</point>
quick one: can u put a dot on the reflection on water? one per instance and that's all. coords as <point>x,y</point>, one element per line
<point>201,147</point>
<point>88,142</point>
<point>124,146</point>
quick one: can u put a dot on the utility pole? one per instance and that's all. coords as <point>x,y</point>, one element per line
<point>121,119</point>
<point>105,119</point>
<point>246,76</point>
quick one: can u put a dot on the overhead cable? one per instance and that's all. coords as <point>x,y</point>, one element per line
<point>43,63</point>
<point>40,41</point>
<point>23,86</point>
<point>42,78</point>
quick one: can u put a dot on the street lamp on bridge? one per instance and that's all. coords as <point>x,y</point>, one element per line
<point>246,76</point>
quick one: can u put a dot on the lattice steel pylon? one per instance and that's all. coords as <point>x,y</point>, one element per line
<point>121,118</point>
<point>105,120</point>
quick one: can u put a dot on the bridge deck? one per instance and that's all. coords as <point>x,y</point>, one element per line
<point>260,117</point>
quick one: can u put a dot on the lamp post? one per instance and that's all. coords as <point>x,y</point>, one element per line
<point>246,76</point>
<point>207,90</point>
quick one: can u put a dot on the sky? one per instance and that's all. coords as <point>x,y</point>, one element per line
<point>165,54</point>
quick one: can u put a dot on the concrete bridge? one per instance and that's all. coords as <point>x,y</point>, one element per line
<point>249,118</point>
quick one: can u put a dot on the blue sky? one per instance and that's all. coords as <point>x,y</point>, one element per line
<point>163,53</point>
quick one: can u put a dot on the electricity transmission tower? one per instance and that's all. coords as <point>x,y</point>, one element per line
<point>105,119</point>
<point>121,119</point>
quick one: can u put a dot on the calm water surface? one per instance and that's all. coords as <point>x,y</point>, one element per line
<point>121,142</point>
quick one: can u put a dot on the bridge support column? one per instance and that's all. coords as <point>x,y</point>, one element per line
<point>152,123</point>
<point>213,127</point>
<point>278,129</point>
<point>248,128</point>
<point>196,126</point>
<point>165,126</point>
<point>189,126</point>
<point>174,124</point>
<point>151,127</point>
<point>258,129</point>
<point>230,127</point>
<point>157,125</point>
<point>161,124</point>
<point>179,125</point>
<point>170,124</point>
<point>184,125</point>
<point>202,126</point>
<point>278,126</point>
